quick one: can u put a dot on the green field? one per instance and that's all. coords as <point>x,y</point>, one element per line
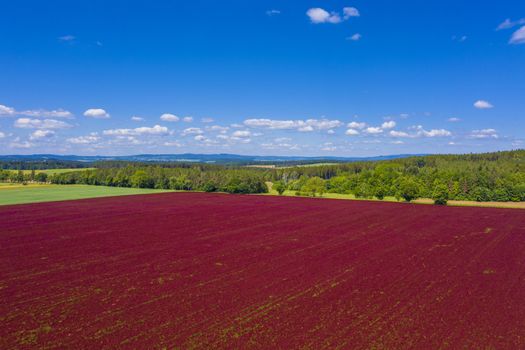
<point>19,194</point>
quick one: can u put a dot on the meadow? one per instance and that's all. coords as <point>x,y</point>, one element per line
<point>13,193</point>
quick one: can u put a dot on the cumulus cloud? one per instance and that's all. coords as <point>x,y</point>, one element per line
<point>350,12</point>
<point>207,120</point>
<point>5,110</point>
<point>319,15</point>
<point>273,12</point>
<point>482,104</point>
<point>507,24</point>
<point>96,113</point>
<point>388,125</point>
<point>172,144</point>
<point>373,130</point>
<point>41,134</point>
<point>84,140</point>
<point>421,132</point>
<point>36,113</point>
<point>192,131</point>
<point>484,134</point>
<point>168,117</point>
<point>354,37</point>
<point>352,132</point>
<point>454,120</point>
<point>242,133</point>
<point>356,125</point>
<point>218,128</point>
<point>299,125</point>
<point>518,37</point>
<point>187,119</point>
<point>27,123</point>
<point>137,119</point>
<point>42,113</point>
<point>156,130</point>
<point>436,133</point>
<point>396,133</point>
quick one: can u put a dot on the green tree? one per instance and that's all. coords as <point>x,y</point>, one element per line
<point>408,189</point>
<point>280,187</point>
<point>314,185</point>
<point>141,180</point>
<point>440,194</point>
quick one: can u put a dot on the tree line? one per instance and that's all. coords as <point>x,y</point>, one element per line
<point>498,176</point>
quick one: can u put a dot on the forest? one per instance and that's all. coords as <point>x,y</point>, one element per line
<point>498,176</point>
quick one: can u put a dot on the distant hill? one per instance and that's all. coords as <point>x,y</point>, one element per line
<point>222,158</point>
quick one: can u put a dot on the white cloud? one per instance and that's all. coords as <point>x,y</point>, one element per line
<point>395,133</point>
<point>218,128</point>
<point>23,144</point>
<point>242,133</point>
<point>41,134</point>
<point>435,133</point>
<point>352,132</point>
<point>306,128</point>
<point>168,117</point>
<point>482,104</point>
<point>38,113</point>
<point>388,125</point>
<point>373,130</point>
<point>156,130</point>
<point>421,132</point>
<point>97,113</point>
<point>172,144</point>
<point>518,37</point>
<point>280,145</point>
<point>5,110</point>
<point>454,120</point>
<point>350,12</point>
<point>273,12</point>
<point>484,134</point>
<point>84,140</point>
<point>300,125</point>
<point>459,38</point>
<point>2,135</point>
<point>200,138</point>
<point>207,120</point>
<point>187,119</point>
<point>507,24</point>
<point>27,123</point>
<point>354,37</point>
<point>67,38</point>
<point>319,15</point>
<point>330,132</point>
<point>356,125</point>
<point>137,119</point>
<point>192,131</point>
<point>397,142</point>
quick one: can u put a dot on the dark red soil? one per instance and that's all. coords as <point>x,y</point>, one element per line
<point>194,270</point>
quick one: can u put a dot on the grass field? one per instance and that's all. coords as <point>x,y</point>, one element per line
<point>34,193</point>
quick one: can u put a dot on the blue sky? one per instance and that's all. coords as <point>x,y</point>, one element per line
<point>345,78</point>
